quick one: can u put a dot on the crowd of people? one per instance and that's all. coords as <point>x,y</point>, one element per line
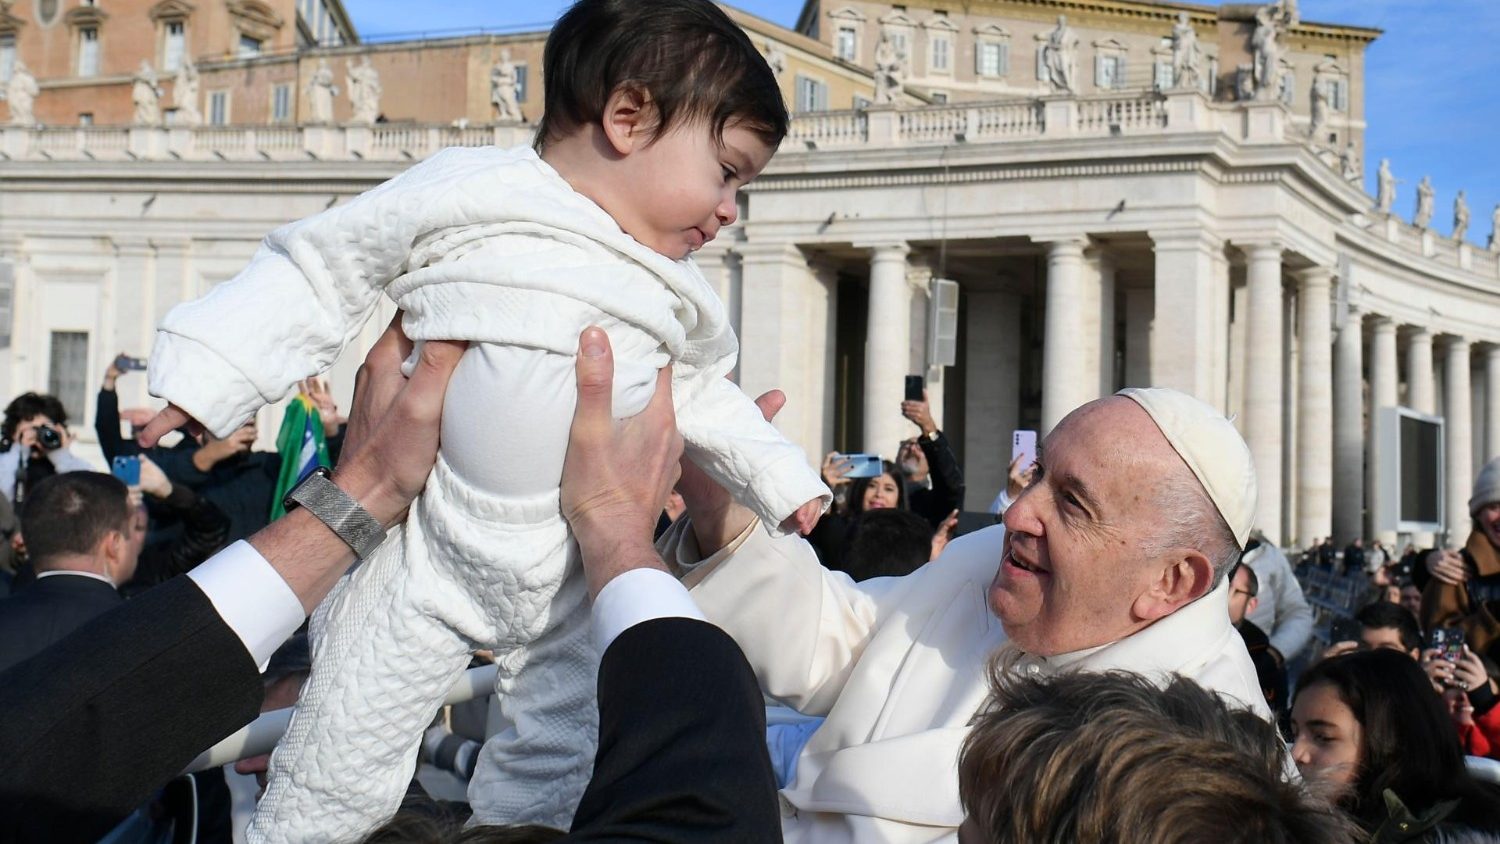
<point>1125,657</point>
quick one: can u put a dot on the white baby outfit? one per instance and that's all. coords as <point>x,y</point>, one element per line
<point>493,247</point>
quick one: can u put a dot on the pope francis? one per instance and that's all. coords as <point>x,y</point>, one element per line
<point>1113,558</point>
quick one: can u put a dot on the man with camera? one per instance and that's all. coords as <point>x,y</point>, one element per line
<point>36,438</point>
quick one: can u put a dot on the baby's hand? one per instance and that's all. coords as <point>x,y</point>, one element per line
<point>805,518</point>
<point>170,418</point>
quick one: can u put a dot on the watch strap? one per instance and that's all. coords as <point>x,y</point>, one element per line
<point>334,508</point>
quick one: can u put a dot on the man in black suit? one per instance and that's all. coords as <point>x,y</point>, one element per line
<point>83,539</point>
<point>94,724</point>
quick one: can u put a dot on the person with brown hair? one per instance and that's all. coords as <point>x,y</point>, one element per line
<point>1113,757</point>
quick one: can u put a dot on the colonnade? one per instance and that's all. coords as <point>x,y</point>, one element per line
<point>1310,442</point>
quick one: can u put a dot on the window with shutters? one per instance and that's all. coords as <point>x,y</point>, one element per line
<point>174,45</point>
<point>1338,94</point>
<point>1211,79</point>
<point>812,94</point>
<point>281,104</point>
<point>7,56</point>
<point>218,108</point>
<point>848,43</point>
<point>88,51</point>
<point>1109,71</point>
<point>521,86</point>
<point>1163,79</point>
<point>68,370</point>
<point>85,118</point>
<point>941,53</point>
<point>249,47</point>
<point>992,59</point>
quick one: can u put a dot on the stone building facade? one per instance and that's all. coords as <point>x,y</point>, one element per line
<point>1193,236</point>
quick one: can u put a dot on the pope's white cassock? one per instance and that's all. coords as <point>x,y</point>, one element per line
<point>898,666</point>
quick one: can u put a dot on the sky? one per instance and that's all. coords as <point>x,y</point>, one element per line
<point>1432,95</point>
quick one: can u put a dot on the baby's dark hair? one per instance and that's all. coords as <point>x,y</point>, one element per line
<point>687,56</point>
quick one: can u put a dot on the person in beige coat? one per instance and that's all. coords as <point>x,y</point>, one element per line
<point>1113,558</point>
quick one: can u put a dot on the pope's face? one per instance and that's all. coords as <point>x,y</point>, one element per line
<point>1073,564</point>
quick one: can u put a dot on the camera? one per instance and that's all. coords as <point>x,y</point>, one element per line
<point>48,437</point>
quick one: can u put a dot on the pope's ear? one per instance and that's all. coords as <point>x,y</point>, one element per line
<point>1185,576</point>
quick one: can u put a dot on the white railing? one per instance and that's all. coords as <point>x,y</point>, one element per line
<point>468,136</point>
<point>413,139</point>
<point>1117,115</point>
<point>830,128</point>
<point>1008,120</point>
<point>933,123</point>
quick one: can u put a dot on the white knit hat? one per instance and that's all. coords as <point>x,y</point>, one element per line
<point>1486,486</point>
<point>1211,447</point>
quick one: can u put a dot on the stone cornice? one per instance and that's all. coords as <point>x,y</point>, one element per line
<point>971,174</point>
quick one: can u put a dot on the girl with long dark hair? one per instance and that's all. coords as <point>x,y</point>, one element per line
<point>1368,727</point>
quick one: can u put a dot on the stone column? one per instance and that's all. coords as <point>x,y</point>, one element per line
<point>1063,351</point>
<point>1107,342</point>
<point>782,336</point>
<point>1348,430</point>
<point>1421,395</point>
<point>1491,403</point>
<point>1314,407</point>
<point>887,348</point>
<point>1458,438</point>
<point>1384,377</point>
<point>1263,401</point>
<point>1182,346</point>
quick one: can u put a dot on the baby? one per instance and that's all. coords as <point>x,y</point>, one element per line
<point>656,114</point>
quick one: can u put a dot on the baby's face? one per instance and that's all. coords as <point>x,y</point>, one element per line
<point>682,187</point>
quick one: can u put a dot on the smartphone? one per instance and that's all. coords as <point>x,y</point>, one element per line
<point>1345,630</point>
<point>127,469</point>
<point>125,363</point>
<point>915,388</point>
<point>861,465</point>
<point>1449,641</point>
<point>1023,445</point>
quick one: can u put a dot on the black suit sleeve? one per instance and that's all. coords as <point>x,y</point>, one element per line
<point>97,722</point>
<point>682,742</point>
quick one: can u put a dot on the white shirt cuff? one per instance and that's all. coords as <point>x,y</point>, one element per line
<point>639,595</point>
<point>251,598</point>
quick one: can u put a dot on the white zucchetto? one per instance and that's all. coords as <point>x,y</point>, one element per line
<point>1212,449</point>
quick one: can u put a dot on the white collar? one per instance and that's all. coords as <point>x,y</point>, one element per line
<point>100,577</point>
<point>1164,647</point>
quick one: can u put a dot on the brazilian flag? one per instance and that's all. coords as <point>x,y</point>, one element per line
<point>303,448</point>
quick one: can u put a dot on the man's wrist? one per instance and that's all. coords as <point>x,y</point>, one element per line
<point>610,553</point>
<point>370,492</point>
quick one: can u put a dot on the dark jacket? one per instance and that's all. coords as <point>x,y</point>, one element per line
<point>1272,675</point>
<point>1474,605</point>
<point>947,492</point>
<point>102,719</point>
<point>49,609</point>
<point>204,530</point>
<point>241,486</point>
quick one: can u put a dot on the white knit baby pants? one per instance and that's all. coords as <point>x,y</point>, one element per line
<point>471,569</point>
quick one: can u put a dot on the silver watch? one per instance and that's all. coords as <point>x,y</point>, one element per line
<point>334,508</point>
